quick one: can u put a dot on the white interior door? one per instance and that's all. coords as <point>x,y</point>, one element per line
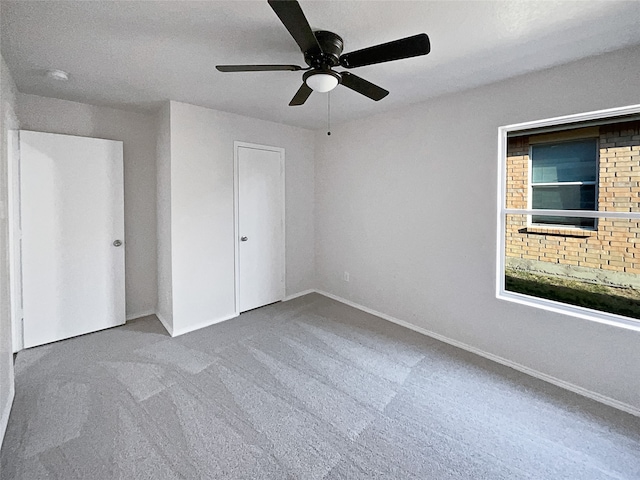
<point>72,234</point>
<point>260,226</point>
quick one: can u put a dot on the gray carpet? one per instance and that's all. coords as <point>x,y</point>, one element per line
<point>308,389</point>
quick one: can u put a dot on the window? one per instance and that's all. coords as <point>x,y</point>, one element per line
<point>563,177</point>
<point>569,215</point>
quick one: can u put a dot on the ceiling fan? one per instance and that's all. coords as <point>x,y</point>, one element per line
<point>323,50</point>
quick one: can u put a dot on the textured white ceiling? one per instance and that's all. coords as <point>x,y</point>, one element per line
<point>135,55</point>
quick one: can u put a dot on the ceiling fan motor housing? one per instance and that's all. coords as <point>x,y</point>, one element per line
<point>331,45</point>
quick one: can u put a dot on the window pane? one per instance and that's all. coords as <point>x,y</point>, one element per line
<point>564,162</point>
<point>599,270</point>
<point>564,197</point>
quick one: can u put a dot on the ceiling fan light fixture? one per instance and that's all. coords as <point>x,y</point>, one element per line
<point>323,81</point>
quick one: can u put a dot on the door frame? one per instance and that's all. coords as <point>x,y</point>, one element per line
<point>236,215</point>
<point>15,239</point>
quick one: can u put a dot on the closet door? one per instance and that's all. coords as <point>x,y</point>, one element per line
<point>72,235</point>
<point>260,226</point>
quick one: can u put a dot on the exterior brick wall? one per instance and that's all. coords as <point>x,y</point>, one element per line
<point>615,244</point>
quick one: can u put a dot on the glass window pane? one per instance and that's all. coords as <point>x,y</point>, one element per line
<point>599,270</point>
<point>564,197</point>
<point>564,162</point>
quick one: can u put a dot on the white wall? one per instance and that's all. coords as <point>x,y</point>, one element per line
<point>9,121</point>
<point>137,131</point>
<point>164,309</point>
<point>406,203</point>
<point>202,232</point>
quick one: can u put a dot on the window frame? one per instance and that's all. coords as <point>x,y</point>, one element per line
<point>559,123</point>
<point>530,185</point>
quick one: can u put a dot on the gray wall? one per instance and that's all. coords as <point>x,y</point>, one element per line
<point>137,131</point>
<point>406,203</point>
<point>9,121</point>
<point>202,209</point>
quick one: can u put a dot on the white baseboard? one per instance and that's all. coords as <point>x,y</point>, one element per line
<point>145,313</point>
<point>299,294</point>
<point>6,411</point>
<point>198,326</point>
<point>625,407</point>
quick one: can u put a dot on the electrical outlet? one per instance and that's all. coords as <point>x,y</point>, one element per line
<point>346,276</point>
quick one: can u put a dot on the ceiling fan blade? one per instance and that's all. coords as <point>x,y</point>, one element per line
<point>290,14</point>
<point>363,87</point>
<point>257,68</point>
<point>386,52</point>
<point>301,95</point>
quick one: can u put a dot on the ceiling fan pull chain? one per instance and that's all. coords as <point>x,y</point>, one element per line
<point>328,113</point>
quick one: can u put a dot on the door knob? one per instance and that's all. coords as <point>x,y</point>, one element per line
<point>117,243</point>
<point>243,239</point>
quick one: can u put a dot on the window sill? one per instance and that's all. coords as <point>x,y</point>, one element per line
<point>563,232</point>
<point>571,310</point>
